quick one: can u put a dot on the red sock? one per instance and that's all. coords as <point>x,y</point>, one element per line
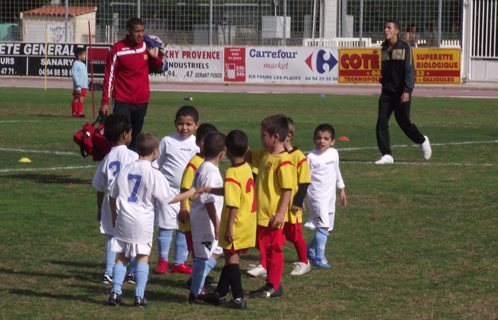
<point>74,105</point>
<point>275,263</point>
<point>262,260</point>
<point>80,108</point>
<point>301,250</point>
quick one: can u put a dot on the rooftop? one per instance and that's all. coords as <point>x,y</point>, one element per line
<point>60,10</point>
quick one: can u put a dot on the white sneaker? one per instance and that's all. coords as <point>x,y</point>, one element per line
<point>387,158</point>
<point>426,148</point>
<point>300,268</point>
<point>258,271</point>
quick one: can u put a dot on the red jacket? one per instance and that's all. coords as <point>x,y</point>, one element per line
<point>127,73</point>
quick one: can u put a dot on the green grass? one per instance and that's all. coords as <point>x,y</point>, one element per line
<point>417,240</point>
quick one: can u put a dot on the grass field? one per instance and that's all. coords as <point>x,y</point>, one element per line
<point>417,241</point>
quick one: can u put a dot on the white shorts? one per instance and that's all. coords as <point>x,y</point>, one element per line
<point>130,249</point>
<point>167,215</point>
<point>106,218</point>
<point>321,221</point>
<point>206,249</point>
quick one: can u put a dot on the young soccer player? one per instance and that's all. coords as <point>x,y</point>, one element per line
<point>238,221</point>
<point>274,185</point>
<point>133,192</point>
<point>175,151</point>
<point>186,184</point>
<point>80,82</point>
<point>325,177</point>
<point>205,213</point>
<point>294,216</point>
<point>118,130</point>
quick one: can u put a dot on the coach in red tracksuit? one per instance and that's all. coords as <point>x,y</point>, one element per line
<point>127,75</point>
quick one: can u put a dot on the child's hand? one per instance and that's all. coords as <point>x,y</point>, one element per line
<point>344,201</point>
<point>296,208</point>
<point>99,214</point>
<point>277,220</point>
<point>183,216</point>
<point>229,235</point>
<point>191,192</point>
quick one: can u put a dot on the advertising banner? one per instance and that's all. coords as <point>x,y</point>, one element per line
<point>432,66</point>
<point>437,66</point>
<point>291,65</point>
<point>235,65</point>
<point>28,59</point>
<point>359,66</point>
<point>203,64</point>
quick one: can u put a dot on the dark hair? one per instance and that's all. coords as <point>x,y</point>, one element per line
<point>187,111</point>
<point>276,124</point>
<point>325,127</point>
<point>292,127</point>
<point>115,125</point>
<point>396,24</point>
<point>203,130</point>
<point>78,51</point>
<point>236,143</point>
<point>133,22</point>
<point>214,143</point>
<point>146,143</point>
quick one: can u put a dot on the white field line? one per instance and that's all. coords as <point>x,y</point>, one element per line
<point>425,163</point>
<point>45,169</point>
<point>41,151</point>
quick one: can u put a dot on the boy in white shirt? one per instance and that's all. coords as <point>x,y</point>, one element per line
<point>118,130</point>
<point>205,214</point>
<point>133,192</point>
<point>325,177</point>
<point>175,152</point>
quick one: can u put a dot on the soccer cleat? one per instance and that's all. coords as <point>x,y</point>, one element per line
<point>238,303</point>
<point>162,266</point>
<point>131,278</point>
<point>385,159</point>
<point>195,300</point>
<point>321,263</point>
<point>114,299</point>
<point>210,282</point>
<point>300,268</point>
<point>213,298</point>
<point>139,302</point>
<point>107,279</point>
<point>426,148</point>
<point>182,268</point>
<point>258,271</point>
<point>80,116</point>
<point>311,253</point>
<point>267,291</point>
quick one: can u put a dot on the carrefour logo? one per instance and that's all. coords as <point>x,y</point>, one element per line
<point>322,58</point>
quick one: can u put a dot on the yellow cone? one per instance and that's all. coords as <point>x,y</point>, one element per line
<point>24,160</point>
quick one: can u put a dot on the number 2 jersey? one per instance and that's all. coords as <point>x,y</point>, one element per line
<point>135,188</point>
<point>240,194</point>
<point>117,158</point>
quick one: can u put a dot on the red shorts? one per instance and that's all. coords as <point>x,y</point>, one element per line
<point>293,231</point>
<point>188,237</point>
<point>83,93</point>
<point>269,239</point>
<point>239,251</point>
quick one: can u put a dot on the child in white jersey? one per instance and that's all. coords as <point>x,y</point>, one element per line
<point>205,214</point>
<point>118,130</point>
<point>325,178</point>
<point>133,192</point>
<point>175,152</point>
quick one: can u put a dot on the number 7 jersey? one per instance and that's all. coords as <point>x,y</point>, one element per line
<point>135,188</point>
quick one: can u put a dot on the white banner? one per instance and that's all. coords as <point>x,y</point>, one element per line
<point>203,64</point>
<point>292,65</point>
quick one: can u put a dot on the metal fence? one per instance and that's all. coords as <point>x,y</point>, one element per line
<point>255,22</point>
